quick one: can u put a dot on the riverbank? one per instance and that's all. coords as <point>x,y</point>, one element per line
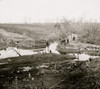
<point>29,71</point>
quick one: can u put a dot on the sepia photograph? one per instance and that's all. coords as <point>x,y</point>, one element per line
<point>49,44</point>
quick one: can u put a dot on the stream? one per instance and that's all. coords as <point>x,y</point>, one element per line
<point>13,52</point>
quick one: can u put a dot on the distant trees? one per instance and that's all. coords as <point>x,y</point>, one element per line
<point>90,33</point>
<point>63,28</point>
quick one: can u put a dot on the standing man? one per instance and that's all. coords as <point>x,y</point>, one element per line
<point>47,47</point>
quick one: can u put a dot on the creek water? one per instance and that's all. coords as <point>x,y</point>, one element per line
<point>13,52</point>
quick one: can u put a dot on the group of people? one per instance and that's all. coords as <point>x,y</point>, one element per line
<point>62,42</point>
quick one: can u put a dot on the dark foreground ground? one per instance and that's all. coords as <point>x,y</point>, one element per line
<point>59,72</point>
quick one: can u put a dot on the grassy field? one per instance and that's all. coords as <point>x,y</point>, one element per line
<point>32,35</point>
<point>27,35</point>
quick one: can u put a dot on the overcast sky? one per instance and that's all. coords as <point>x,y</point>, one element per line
<point>48,10</point>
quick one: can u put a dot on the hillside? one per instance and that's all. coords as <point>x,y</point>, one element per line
<point>35,35</point>
<point>24,35</point>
